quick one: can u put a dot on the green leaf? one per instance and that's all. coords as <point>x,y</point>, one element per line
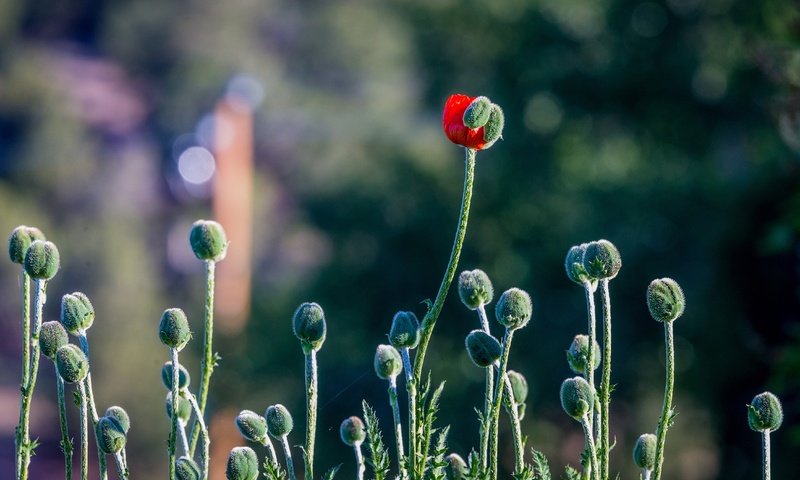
<point>331,472</point>
<point>273,471</point>
<point>541,467</point>
<point>378,458</point>
<point>438,460</point>
<point>571,474</point>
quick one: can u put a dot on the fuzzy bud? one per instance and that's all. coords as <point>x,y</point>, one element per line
<point>388,363</point>
<point>119,415</point>
<point>578,354</point>
<point>174,329</point>
<point>665,300</point>
<point>77,312</point>
<point>208,241</point>
<point>279,420</point>
<point>251,425</point>
<point>765,412</point>
<point>52,337</point>
<point>576,397</point>
<point>110,437</point>
<point>602,260</point>
<point>187,469</point>
<point>493,130</point>
<point>352,431</point>
<point>475,288</point>
<point>71,363</point>
<point>184,407</point>
<point>514,309</point>
<point>456,468</point>
<point>483,349</point>
<point>166,376</point>
<point>644,451</point>
<point>573,264</point>
<point>19,241</point>
<point>477,113</point>
<point>405,330</point>
<point>242,464</point>
<point>308,325</point>
<point>519,386</point>
<point>42,260</point>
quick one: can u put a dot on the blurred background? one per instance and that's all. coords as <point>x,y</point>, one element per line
<point>311,130</point>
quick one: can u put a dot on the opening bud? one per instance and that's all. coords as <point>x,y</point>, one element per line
<point>644,451</point>
<point>456,468</point>
<point>388,363</point>
<point>576,397</point>
<point>42,260</point>
<point>71,363</point>
<point>483,349</point>
<point>765,412</point>
<point>174,329</point>
<point>493,130</point>
<point>110,437</point>
<point>519,386</point>
<point>405,330</point>
<point>514,309</point>
<point>352,431</point>
<point>187,469</point>
<point>242,464</point>
<point>208,240</point>
<point>184,410</point>
<point>279,420</point>
<point>119,415</point>
<point>602,260</point>
<point>52,337</point>
<point>19,241</point>
<point>665,300</point>
<point>573,264</point>
<point>77,312</point>
<point>166,376</point>
<point>308,325</point>
<point>251,425</point>
<point>477,113</point>
<point>578,354</point>
<point>475,288</point>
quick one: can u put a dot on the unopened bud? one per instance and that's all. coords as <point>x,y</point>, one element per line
<point>174,329</point>
<point>119,415</point>
<point>166,376</point>
<point>493,130</point>
<point>405,330</point>
<point>514,309</point>
<point>644,451</point>
<point>279,420</point>
<point>187,469</point>
<point>352,431</point>
<point>576,397</point>
<point>388,363</point>
<point>184,410</point>
<point>602,260</point>
<point>52,337</point>
<point>252,426</point>
<point>242,464</point>
<point>519,386</point>
<point>477,113</point>
<point>475,288</point>
<point>77,312</point>
<point>765,412</point>
<point>578,354</point>
<point>456,468</point>
<point>208,241</point>
<point>665,300</point>
<point>573,264</point>
<point>42,260</point>
<point>19,241</point>
<point>483,349</point>
<point>308,325</point>
<point>110,437</point>
<point>71,363</point>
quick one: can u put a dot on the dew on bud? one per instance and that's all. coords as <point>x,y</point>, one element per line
<point>208,241</point>
<point>514,309</point>
<point>475,288</point>
<point>352,431</point>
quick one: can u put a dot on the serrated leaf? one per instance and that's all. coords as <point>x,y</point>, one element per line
<point>378,458</point>
<point>571,474</point>
<point>541,467</point>
<point>331,472</point>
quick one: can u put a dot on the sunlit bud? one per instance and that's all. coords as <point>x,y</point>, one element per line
<point>52,337</point>
<point>576,397</point>
<point>519,386</point>
<point>71,363</point>
<point>187,469</point>
<point>388,363</point>
<point>475,288</point>
<point>602,260</point>
<point>77,312</point>
<point>493,130</point>
<point>42,260</point>
<point>765,412</point>
<point>477,113</point>
<point>251,425</point>
<point>483,349</point>
<point>119,415</point>
<point>174,329</point>
<point>19,241</point>
<point>208,240</point>
<point>184,407</point>
<point>644,451</point>
<point>242,464</point>
<point>352,431</point>
<point>308,325</point>
<point>573,264</point>
<point>166,376</point>
<point>514,309</point>
<point>279,420</point>
<point>578,354</point>
<point>665,300</point>
<point>405,330</point>
<point>110,437</point>
<point>456,468</point>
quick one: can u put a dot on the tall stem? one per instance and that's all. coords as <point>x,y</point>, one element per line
<point>101,457</point>
<point>605,385</point>
<point>488,394</point>
<point>359,461</point>
<point>287,453</point>
<point>26,365</point>
<point>516,428</point>
<point>184,438</point>
<point>204,456</point>
<point>270,448</point>
<point>587,430</point>
<point>84,433</point>
<point>311,410</point>
<point>398,427</point>
<point>411,388</point>
<point>24,445</point>
<point>429,321</point>
<point>592,327</point>
<point>765,453</point>
<point>173,433</point>
<point>122,468</point>
<point>66,443</point>
<point>497,400</point>
<point>666,413</point>
<point>207,363</point>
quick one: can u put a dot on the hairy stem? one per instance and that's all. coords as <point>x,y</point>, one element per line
<point>66,443</point>
<point>311,410</point>
<point>592,327</point>
<point>207,363</point>
<point>84,433</point>
<point>204,456</point>
<point>270,448</point>
<point>122,468</point>
<point>398,427</point>
<point>173,432</point>
<point>497,400</point>
<point>666,413</point>
<point>605,384</point>
<point>646,474</point>
<point>184,438</point>
<point>487,400</point>
<point>516,428</point>
<point>287,453</point>
<point>101,457</point>
<point>359,461</point>
<point>765,453</point>
<point>26,366</point>
<point>587,430</point>
<point>411,388</point>
<point>24,445</point>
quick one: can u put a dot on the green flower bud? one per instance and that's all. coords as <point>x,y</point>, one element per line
<point>388,363</point>
<point>475,288</point>
<point>251,425</point>
<point>208,240</point>
<point>456,468</point>
<point>19,241</point>
<point>184,407</point>
<point>110,437</point>
<point>519,386</point>
<point>477,113</point>
<point>77,312</point>
<point>279,420</point>
<point>166,376</point>
<point>573,264</point>
<point>405,330</point>
<point>119,415</point>
<point>602,260</point>
<point>42,260</point>
<point>174,329</point>
<point>665,300</point>
<point>578,354</point>
<point>483,349</point>
<point>51,338</point>
<point>71,363</point>
<point>765,412</point>
<point>644,452</point>
<point>308,325</point>
<point>514,309</point>
<point>187,469</point>
<point>576,397</point>
<point>352,431</point>
<point>242,464</point>
<point>493,130</point>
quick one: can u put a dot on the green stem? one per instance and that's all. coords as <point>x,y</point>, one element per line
<point>101,457</point>
<point>487,401</point>
<point>646,474</point>
<point>66,443</point>
<point>429,321</point>
<point>497,400</point>
<point>204,455</point>
<point>359,461</point>
<point>270,448</point>
<point>207,363</point>
<point>666,413</point>
<point>411,388</point>
<point>287,453</point>
<point>605,384</point>
<point>184,438</point>
<point>122,468</point>
<point>516,428</point>
<point>173,433</point>
<point>592,326</point>
<point>311,411</point>
<point>24,445</point>
<point>587,430</point>
<point>84,433</point>
<point>26,364</point>
<point>398,427</point>
<point>765,453</point>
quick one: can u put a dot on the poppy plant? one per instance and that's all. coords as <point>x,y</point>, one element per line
<point>473,122</point>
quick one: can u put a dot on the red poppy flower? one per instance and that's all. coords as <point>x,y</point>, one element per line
<point>453,123</point>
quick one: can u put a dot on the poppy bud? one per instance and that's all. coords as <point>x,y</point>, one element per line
<point>174,329</point>
<point>251,425</point>
<point>456,468</point>
<point>166,376</point>
<point>665,300</point>
<point>578,354</point>
<point>576,397</point>
<point>483,349</point>
<point>405,330</point>
<point>110,437</point>
<point>119,415</point>
<point>19,241</point>
<point>42,260</point>
<point>388,363</point>
<point>602,260</point>
<point>242,464</point>
<point>455,115</point>
<point>514,309</point>
<point>208,240</point>
<point>77,312</point>
<point>475,288</point>
<point>573,264</point>
<point>279,420</point>
<point>352,431</point>
<point>308,325</point>
<point>477,113</point>
<point>493,130</point>
<point>187,469</point>
<point>184,407</point>
<point>52,337</point>
<point>519,386</point>
<point>71,363</point>
<point>765,412</point>
<point>644,451</point>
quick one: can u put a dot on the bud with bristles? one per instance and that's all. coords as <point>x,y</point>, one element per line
<point>483,349</point>
<point>602,260</point>
<point>475,288</point>
<point>644,452</point>
<point>578,354</point>
<point>456,468</point>
<point>52,337</point>
<point>42,260</point>
<point>208,241</point>
<point>166,376</point>
<point>279,420</point>
<point>477,113</point>
<point>308,325</point>
<point>187,469</point>
<point>519,386</point>
<point>576,397</point>
<point>110,437</point>
<point>119,415</point>
<point>514,308</point>
<point>77,312</point>
<point>184,407</point>
<point>493,130</point>
<point>19,241</point>
<point>405,330</point>
<point>765,412</point>
<point>388,363</point>
<point>242,464</point>
<point>71,363</point>
<point>252,426</point>
<point>665,300</point>
<point>174,329</point>
<point>573,264</point>
<point>352,431</point>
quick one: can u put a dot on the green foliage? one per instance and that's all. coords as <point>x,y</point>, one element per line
<point>331,472</point>
<point>273,471</point>
<point>475,470</point>
<point>378,457</point>
<point>571,474</point>
<point>437,463</point>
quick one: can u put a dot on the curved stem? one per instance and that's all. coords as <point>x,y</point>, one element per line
<point>25,446</point>
<point>311,411</point>
<point>497,399</point>
<point>765,453</point>
<point>207,363</point>
<point>270,448</point>
<point>66,443</point>
<point>359,461</point>
<point>666,414</point>
<point>587,430</point>
<point>287,453</point>
<point>26,365</point>
<point>173,432</point>
<point>398,427</point>
<point>122,468</point>
<point>516,428</point>
<point>605,383</point>
<point>84,433</point>
<point>204,457</point>
<point>429,321</point>
<point>184,438</point>
<point>101,457</point>
<point>488,394</point>
<point>411,388</point>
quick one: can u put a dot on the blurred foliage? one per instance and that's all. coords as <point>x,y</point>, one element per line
<point>671,128</point>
